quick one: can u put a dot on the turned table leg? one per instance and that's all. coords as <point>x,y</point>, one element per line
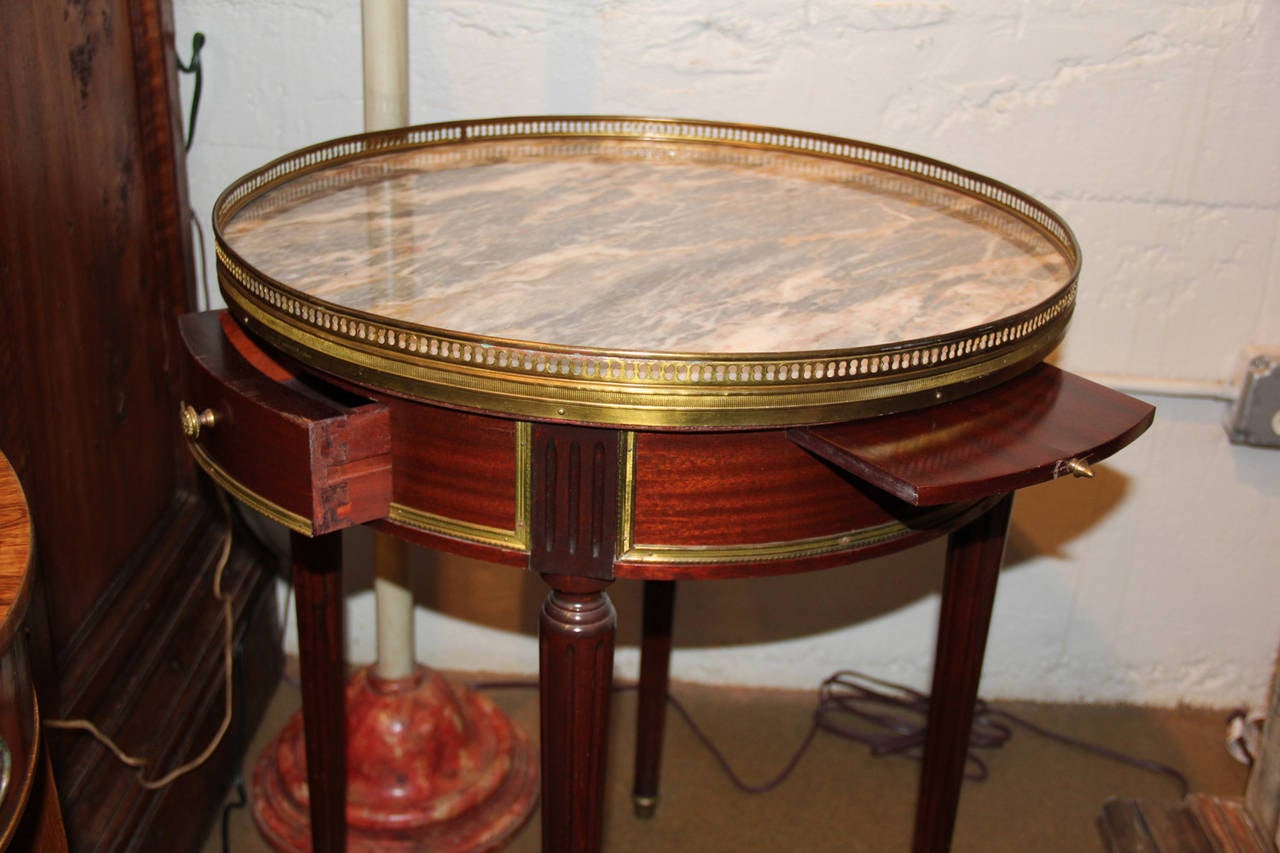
<point>974,553</point>
<point>655,664</point>
<point>576,636</point>
<point>573,536</point>
<point>317,582</point>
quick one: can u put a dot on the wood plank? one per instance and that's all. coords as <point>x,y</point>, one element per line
<point>1227,825</point>
<point>1173,826</point>
<point>1200,823</point>
<point>1123,829</point>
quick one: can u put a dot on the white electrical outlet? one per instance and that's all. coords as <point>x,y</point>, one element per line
<point>1255,416</point>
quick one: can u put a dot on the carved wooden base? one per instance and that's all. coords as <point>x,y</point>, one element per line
<point>430,766</point>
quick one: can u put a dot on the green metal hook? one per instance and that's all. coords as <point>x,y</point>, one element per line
<point>194,67</point>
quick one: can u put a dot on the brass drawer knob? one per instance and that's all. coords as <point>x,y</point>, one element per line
<point>192,421</point>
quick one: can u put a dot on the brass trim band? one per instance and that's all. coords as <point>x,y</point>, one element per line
<point>628,551</point>
<point>527,379</point>
<point>626,492</point>
<point>791,550</point>
<point>248,497</point>
<point>658,554</point>
<point>429,522</point>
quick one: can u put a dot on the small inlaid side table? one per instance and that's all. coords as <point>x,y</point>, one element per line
<point>30,818</point>
<point>597,347</point>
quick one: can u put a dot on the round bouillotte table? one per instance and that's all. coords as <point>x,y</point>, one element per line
<point>594,348</point>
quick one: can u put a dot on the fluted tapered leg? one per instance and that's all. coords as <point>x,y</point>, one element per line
<point>576,635</point>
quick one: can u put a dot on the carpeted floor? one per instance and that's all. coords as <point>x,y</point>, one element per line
<point>1041,795</point>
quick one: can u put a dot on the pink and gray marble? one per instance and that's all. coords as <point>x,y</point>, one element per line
<point>646,246</point>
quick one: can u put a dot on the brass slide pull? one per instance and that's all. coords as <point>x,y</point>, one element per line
<point>1077,467</point>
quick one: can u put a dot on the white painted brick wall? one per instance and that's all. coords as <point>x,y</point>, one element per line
<point>1152,125</point>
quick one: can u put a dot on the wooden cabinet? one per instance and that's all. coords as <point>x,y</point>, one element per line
<point>95,267</point>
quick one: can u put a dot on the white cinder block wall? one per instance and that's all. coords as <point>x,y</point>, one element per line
<point>1153,126</point>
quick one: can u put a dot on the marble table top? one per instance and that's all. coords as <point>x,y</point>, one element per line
<point>636,245</point>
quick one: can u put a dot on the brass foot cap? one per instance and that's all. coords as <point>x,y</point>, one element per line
<point>645,806</point>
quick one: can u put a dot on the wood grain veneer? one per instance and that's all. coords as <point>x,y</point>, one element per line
<point>455,464</point>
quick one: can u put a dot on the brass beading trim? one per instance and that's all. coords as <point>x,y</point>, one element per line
<point>655,406</point>
<point>643,389</point>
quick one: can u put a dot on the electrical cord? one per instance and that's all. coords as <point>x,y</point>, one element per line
<point>891,720</point>
<point>237,750</point>
<point>229,620</point>
<point>231,655</point>
<point>204,264</point>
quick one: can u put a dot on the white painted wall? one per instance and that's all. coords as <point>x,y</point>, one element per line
<point>1152,125</point>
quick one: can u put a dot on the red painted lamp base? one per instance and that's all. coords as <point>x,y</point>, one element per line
<point>430,766</point>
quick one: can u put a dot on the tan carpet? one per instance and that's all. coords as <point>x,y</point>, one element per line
<point>1041,796</point>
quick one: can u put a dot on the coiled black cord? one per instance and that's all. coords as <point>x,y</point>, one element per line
<point>891,720</point>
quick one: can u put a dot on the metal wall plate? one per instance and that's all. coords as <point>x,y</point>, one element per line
<point>1255,416</point>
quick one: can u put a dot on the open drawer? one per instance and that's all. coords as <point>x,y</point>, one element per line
<point>308,455</point>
